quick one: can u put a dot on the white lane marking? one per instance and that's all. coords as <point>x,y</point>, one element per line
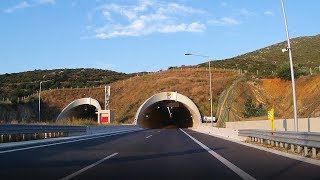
<point>231,166</point>
<point>88,167</point>
<point>65,142</point>
<point>159,131</point>
<point>148,136</point>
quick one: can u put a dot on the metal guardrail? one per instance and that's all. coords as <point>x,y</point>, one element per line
<point>26,132</point>
<point>285,138</point>
<point>7,129</point>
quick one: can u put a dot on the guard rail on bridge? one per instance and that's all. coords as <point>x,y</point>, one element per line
<point>283,139</point>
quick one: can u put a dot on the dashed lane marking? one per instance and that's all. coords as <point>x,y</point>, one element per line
<point>88,167</point>
<point>148,136</point>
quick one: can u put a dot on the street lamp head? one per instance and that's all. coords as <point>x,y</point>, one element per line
<point>187,54</point>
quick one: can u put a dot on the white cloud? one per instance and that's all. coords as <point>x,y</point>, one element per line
<point>147,17</point>
<point>268,13</point>
<point>224,21</point>
<point>193,27</point>
<point>21,5</point>
<point>224,4</point>
<point>245,12</point>
<point>27,4</point>
<point>45,1</point>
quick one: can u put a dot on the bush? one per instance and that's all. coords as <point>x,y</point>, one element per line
<point>284,72</point>
<point>253,111</point>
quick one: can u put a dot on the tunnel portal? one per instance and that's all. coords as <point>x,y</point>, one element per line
<point>168,110</point>
<point>167,114</point>
<point>84,108</point>
<point>84,111</point>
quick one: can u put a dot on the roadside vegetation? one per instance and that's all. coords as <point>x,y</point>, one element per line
<point>17,87</point>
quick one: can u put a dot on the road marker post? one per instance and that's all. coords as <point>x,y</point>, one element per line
<point>271,118</point>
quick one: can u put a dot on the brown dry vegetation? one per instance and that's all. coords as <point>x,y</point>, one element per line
<point>277,93</point>
<point>128,95</point>
<point>308,96</point>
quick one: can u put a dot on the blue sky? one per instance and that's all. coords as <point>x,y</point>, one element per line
<point>142,35</point>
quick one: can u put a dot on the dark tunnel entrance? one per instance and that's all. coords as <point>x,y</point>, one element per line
<point>167,114</point>
<point>84,111</point>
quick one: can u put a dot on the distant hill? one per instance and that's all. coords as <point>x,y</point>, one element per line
<point>25,83</point>
<point>305,50</point>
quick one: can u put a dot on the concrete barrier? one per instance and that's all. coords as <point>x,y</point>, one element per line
<point>221,132</point>
<point>304,125</point>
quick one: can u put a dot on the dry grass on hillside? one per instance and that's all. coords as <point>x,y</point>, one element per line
<point>128,95</point>
<point>277,93</point>
<point>308,96</point>
<point>194,83</point>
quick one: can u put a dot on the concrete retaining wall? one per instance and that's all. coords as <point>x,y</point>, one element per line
<point>304,125</point>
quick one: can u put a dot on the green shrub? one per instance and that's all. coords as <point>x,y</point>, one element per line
<point>284,72</point>
<point>251,110</point>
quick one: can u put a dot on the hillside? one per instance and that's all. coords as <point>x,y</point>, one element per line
<point>22,84</point>
<point>275,93</point>
<point>305,52</point>
<point>129,94</point>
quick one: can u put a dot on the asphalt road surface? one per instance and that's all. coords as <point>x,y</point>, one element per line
<point>150,154</point>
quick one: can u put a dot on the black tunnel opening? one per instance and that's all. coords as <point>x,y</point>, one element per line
<point>83,112</point>
<point>166,114</point>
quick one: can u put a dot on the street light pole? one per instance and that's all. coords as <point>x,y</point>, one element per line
<point>210,83</point>
<point>291,69</point>
<point>40,102</point>
<point>39,118</point>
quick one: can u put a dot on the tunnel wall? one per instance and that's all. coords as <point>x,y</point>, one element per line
<point>78,102</point>
<point>187,102</point>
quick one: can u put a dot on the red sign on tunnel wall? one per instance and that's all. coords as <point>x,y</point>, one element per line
<point>104,119</point>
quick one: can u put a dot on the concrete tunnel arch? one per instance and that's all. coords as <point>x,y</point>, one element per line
<point>79,102</point>
<point>171,97</point>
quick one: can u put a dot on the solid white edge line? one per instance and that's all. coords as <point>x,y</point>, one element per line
<point>88,167</point>
<point>148,136</point>
<point>277,152</point>
<point>231,166</point>
<point>65,142</point>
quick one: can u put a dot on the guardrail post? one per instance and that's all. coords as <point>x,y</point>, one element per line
<point>1,138</point>
<point>272,143</point>
<point>281,144</point>
<point>269,142</point>
<point>286,145</point>
<point>299,149</point>
<point>292,147</point>
<point>314,152</point>
<point>277,144</point>
<point>306,150</point>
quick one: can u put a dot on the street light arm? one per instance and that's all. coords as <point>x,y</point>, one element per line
<point>189,54</point>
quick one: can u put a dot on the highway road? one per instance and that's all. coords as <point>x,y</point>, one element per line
<point>149,154</point>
